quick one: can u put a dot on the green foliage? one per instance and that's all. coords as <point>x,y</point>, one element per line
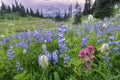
<point>74,70</point>
<point>103,8</point>
<point>78,15</point>
<point>21,76</point>
<point>77,18</point>
<point>87,6</point>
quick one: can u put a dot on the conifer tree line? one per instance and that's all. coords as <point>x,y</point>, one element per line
<point>100,8</point>
<point>19,9</point>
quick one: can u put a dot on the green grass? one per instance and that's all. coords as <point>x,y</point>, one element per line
<point>28,23</point>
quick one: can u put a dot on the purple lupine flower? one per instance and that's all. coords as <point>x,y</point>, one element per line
<point>91,29</point>
<point>61,40</point>
<point>111,38</point>
<point>55,57</point>
<point>61,35</point>
<point>32,33</point>
<point>110,30</point>
<point>62,29</point>
<point>1,43</point>
<point>116,51</point>
<point>19,68</point>
<point>6,40</point>
<point>39,28</point>
<point>44,48</point>
<point>66,59</point>
<point>16,36</point>
<point>100,41</point>
<point>39,37</point>
<point>23,45</point>
<point>49,56</point>
<point>118,28</point>
<point>84,42</point>
<point>30,39</point>
<point>106,58</point>
<point>10,53</point>
<point>112,42</point>
<point>48,36</point>
<point>24,35</point>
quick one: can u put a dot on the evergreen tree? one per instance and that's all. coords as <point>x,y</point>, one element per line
<point>78,15</point>
<point>22,11</point>
<point>115,1</point>
<point>103,8</point>
<point>58,16</point>
<point>31,12</point>
<point>13,8</point>
<point>37,14</point>
<point>65,15</point>
<point>17,6</point>
<point>70,11</point>
<point>87,7</point>
<point>9,9</point>
<point>3,6</point>
<point>27,11</point>
<point>41,14</point>
<point>76,5</point>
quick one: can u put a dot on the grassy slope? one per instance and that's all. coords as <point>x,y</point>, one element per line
<point>25,24</point>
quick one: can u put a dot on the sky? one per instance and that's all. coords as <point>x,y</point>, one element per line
<point>45,4</point>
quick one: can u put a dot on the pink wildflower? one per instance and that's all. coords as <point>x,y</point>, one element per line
<point>82,53</point>
<point>90,49</point>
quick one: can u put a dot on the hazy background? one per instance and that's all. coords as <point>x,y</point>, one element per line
<point>45,4</point>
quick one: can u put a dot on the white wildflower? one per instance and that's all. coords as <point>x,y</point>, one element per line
<point>2,36</point>
<point>104,48</point>
<point>11,25</point>
<point>43,61</point>
<point>24,51</point>
<point>90,17</point>
<point>116,6</point>
<point>105,25</point>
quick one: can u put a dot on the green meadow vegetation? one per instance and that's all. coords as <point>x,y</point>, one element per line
<point>34,48</point>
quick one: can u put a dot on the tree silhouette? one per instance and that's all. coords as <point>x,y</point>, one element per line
<point>103,8</point>
<point>87,7</point>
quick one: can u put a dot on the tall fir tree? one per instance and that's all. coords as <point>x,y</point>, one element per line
<point>37,14</point>
<point>65,15</point>
<point>70,11</point>
<point>3,7</point>
<point>41,14</point>
<point>9,10</point>
<point>31,12</point>
<point>78,15</point>
<point>22,11</point>
<point>17,6</point>
<point>27,11</point>
<point>76,5</point>
<point>13,8</point>
<point>103,8</point>
<point>87,7</point>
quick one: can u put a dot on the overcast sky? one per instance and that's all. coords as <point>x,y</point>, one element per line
<point>44,4</point>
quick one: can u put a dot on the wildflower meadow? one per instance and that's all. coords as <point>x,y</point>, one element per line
<point>87,51</point>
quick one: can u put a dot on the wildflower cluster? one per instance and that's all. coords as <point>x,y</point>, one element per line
<point>61,40</point>
<point>87,56</point>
